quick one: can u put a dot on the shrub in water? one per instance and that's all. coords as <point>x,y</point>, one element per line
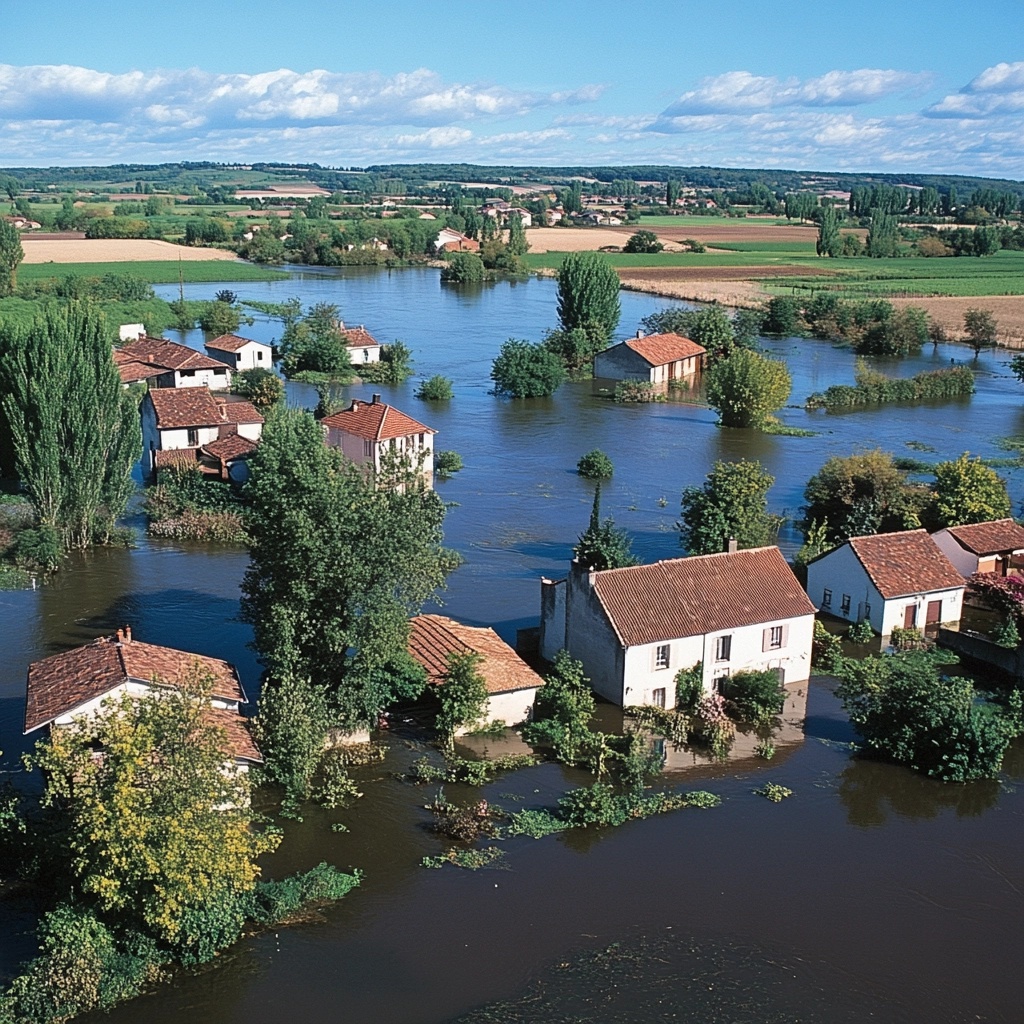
<point>595,465</point>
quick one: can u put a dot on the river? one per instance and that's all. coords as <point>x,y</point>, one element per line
<point>870,894</point>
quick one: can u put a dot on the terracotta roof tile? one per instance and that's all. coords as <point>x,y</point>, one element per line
<point>433,637</point>
<point>240,743</point>
<point>909,562</point>
<point>233,343</point>
<point>359,337</point>
<point>134,371</point>
<point>375,421</point>
<point>184,407</point>
<point>59,684</point>
<point>175,457</point>
<point>659,349</point>
<point>239,412</point>
<point>704,594</point>
<point>231,446</point>
<point>168,355</point>
<point>997,537</point>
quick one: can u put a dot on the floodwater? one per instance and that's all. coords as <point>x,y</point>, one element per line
<point>870,894</point>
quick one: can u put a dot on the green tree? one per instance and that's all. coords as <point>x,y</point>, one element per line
<point>712,329</point>
<point>968,491</point>
<point>435,389</point>
<point>883,235</point>
<point>980,329</point>
<point>315,342</point>
<point>671,193</point>
<point>732,504</point>
<point>332,604</point>
<point>156,831</point>
<point>74,429</point>
<point>462,695</point>
<point>11,254</point>
<point>588,296</point>
<point>746,388</point>
<point>525,370</point>
<point>643,242</point>
<point>862,494</point>
<point>829,243</point>
<point>603,545</point>
<point>906,710</point>
<point>259,385</point>
<point>463,268</point>
<point>517,243</point>
<point>595,465</point>
<point>564,708</point>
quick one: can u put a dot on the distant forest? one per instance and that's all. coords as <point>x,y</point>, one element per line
<point>185,176</point>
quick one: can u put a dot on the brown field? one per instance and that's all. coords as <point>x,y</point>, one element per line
<point>948,311</point>
<point>113,250</point>
<point>733,286</point>
<point>575,239</point>
<point>736,231</point>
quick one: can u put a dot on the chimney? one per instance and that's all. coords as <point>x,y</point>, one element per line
<point>376,400</point>
<point>732,547</point>
<point>124,636</point>
<point>354,407</point>
<point>639,333</point>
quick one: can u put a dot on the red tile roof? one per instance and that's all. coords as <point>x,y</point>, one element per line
<point>233,343</point>
<point>135,371</point>
<point>175,457</point>
<point>359,337</point>
<point>60,684</point>
<point>235,411</point>
<point>433,637</point>
<point>229,447</point>
<point>167,355</point>
<point>659,349</point>
<point>177,408</point>
<point>375,421</point>
<point>240,743</point>
<point>994,538</point>
<point>683,597</point>
<point>904,563</point>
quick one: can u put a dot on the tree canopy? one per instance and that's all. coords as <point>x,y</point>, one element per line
<point>603,545</point>
<point>731,504</point>
<point>968,491</point>
<point>746,388</point>
<point>526,370</point>
<point>588,296</point>
<point>11,254</point>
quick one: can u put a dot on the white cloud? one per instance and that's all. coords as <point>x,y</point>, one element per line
<point>996,92</point>
<point>742,92</point>
<point>435,138</point>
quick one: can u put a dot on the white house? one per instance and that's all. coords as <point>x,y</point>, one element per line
<point>984,547</point>
<point>653,358</point>
<point>241,353</point>
<point>511,684</point>
<point>450,240</point>
<point>362,346</point>
<point>73,685</point>
<point>185,420</point>
<point>166,364</point>
<point>889,579</point>
<point>368,432</point>
<point>635,628</point>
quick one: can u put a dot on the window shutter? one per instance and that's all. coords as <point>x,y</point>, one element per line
<point>766,639</point>
<point>785,636</point>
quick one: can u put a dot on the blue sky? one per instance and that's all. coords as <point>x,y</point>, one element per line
<point>864,85</point>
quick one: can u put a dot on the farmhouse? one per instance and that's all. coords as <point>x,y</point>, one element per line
<point>178,425</point>
<point>889,579</point>
<point>369,433</point>
<point>635,628</point>
<point>653,358</point>
<point>240,353</point>
<point>74,684</point>
<point>362,346</point>
<point>511,684</point>
<point>984,547</point>
<point>166,364</point>
<point>450,240</point>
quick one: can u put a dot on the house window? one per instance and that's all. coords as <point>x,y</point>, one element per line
<point>845,606</point>
<point>366,355</point>
<point>826,599</point>
<point>775,639</point>
<point>193,437</point>
<point>658,697</point>
<point>259,356</point>
<point>661,656</point>
<point>867,611</point>
<point>368,449</point>
<point>723,648</point>
<point>721,681</point>
<point>423,439</point>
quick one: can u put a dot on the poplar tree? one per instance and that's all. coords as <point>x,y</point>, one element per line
<point>829,243</point>
<point>74,429</point>
<point>588,296</point>
<point>11,254</point>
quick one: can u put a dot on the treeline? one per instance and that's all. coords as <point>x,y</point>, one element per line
<point>874,388</point>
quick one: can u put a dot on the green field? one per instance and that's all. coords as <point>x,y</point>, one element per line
<point>155,271</point>
<point>689,221</point>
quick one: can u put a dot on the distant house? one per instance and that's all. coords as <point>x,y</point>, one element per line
<point>450,240</point>
<point>73,685</point>
<point>552,216</point>
<point>984,547</point>
<point>653,358</point>
<point>22,223</point>
<point>166,364</point>
<point>362,346</point>
<point>511,684</point>
<point>368,432</point>
<point>177,424</point>
<point>241,353</point>
<point>889,579</point>
<point>635,628</point>
<point>131,332</point>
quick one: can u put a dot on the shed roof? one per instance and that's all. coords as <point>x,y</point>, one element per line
<point>659,349</point>
<point>999,536</point>
<point>375,421</point>
<point>233,343</point>
<point>904,563</point>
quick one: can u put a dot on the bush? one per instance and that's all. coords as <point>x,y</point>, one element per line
<point>826,647</point>
<point>755,697</point>
<point>463,268</point>
<point>874,388</point>
<point>861,632</point>
<point>40,548</point>
<point>446,463</point>
<point>595,465</point>
<point>395,366</point>
<point>689,686</point>
<point>272,902</point>
<point>636,391</point>
<point>643,242</point>
<point>746,388</point>
<point>782,316</point>
<point>525,370</point>
<point>260,386</point>
<point>435,389</point>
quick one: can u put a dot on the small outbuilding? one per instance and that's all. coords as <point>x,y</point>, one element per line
<point>651,358</point>
<point>241,353</point>
<point>996,546</point>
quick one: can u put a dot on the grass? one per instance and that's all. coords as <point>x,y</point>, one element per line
<point>688,220</point>
<point>155,271</point>
<point>553,260</point>
<point>781,248</point>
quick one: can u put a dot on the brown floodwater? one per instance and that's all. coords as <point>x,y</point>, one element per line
<point>870,894</point>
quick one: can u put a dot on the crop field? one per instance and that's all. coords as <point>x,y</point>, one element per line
<point>155,272</point>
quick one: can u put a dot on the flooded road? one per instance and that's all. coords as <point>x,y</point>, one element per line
<point>870,894</point>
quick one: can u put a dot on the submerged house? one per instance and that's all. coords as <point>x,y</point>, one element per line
<point>73,685</point>
<point>996,546</point>
<point>511,684</point>
<point>166,364</point>
<point>651,358</point>
<point>241,353</point>
<point>888,579</point>
<point>180,425</point>
<point>634,628</point>
<point>362,346</point>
